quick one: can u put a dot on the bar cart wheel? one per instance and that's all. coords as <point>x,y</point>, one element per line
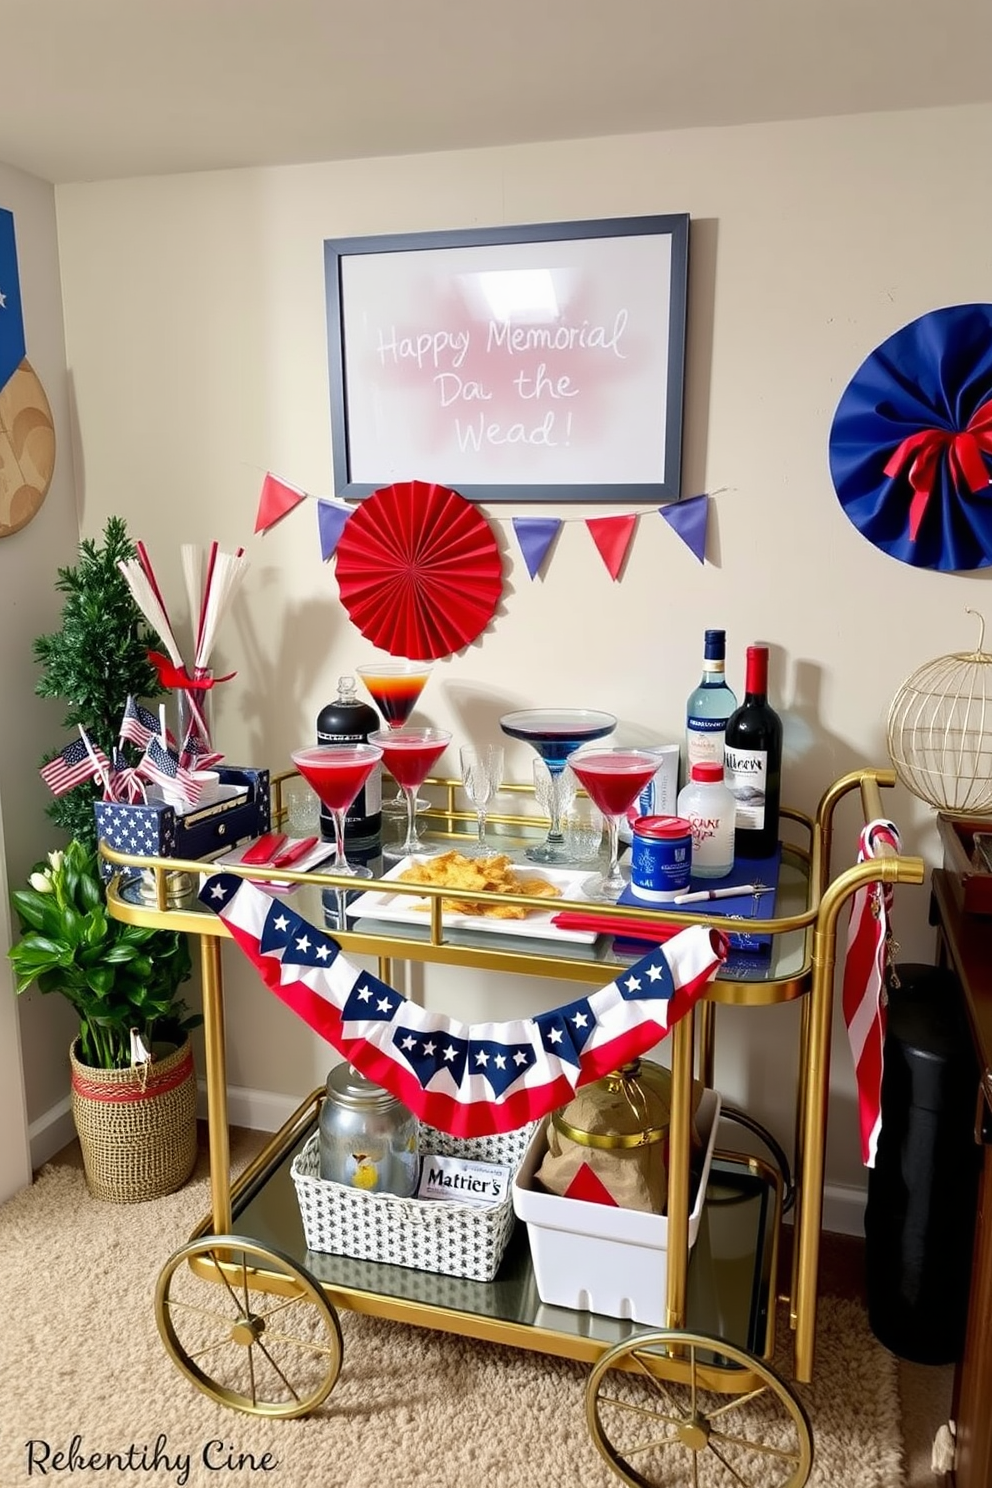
<point>248,1326</point>
<point>660,1400</point>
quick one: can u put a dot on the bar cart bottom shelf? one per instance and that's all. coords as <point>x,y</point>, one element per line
<point>251,1319</point>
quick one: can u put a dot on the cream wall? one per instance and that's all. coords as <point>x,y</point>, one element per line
<point>196,350</point>
<point>35,1028</point>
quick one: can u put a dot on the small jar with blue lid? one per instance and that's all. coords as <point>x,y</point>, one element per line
<point>660,858</point>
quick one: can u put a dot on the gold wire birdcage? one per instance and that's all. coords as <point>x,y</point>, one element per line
<point>940,731</point>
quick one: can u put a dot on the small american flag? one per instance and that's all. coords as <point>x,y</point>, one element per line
<point>865,998</point>
<point>138,725</point>
<point>162,767</point>
<point>125,782</point>
<point>196,753</point>
<point>74,765</point>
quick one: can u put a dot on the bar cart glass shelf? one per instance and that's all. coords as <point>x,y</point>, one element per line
<point>249,1314</point>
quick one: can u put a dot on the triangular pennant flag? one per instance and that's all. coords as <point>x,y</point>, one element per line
<point>688,519</point>
<point>275,501</point>
<point>12,350</point>
<point>331,517</point>
<point>535,536</point>
<point>612,537</point>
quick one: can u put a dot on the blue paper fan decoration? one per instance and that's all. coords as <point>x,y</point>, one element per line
<point>911,442</point>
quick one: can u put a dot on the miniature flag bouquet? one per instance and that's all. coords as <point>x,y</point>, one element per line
<point>179,765</point>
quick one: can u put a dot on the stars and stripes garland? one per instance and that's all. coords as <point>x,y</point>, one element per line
<point>864,996</point>
<point>469,1080</point>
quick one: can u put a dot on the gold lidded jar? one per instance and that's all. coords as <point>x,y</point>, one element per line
<point>368,1139</point>
<point>616,1129</point>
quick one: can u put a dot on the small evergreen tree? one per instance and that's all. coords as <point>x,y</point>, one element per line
<point>94,662</point>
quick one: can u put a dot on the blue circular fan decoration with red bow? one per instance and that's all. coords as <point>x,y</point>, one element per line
<point>911,442</point>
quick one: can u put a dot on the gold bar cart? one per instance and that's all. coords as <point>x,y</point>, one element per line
<point>719,1333</point>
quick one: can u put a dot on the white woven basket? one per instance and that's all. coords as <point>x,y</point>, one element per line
<point>426,1234</point>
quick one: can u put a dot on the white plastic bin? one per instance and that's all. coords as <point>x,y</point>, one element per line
<point>597,1258</point>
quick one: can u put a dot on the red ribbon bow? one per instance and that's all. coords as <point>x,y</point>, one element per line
<point>923,452</point>
<point>173,676</point>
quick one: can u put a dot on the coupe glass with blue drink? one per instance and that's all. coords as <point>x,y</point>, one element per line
<point>556,733</point>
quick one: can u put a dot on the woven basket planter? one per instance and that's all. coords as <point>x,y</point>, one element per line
<point>136,1127</point>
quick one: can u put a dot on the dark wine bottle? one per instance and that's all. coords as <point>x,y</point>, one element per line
<point>753,762</point>
<point>350,721</point>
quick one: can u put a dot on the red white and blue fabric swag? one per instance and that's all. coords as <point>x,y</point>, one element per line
<point>475,1079</point>
<point>865,997</point>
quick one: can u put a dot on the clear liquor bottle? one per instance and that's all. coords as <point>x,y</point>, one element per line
<point>709,706</point>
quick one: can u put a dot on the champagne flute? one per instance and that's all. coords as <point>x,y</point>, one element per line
<point>409,754</point>
<point>612,778</point>
<point>482,776</point>
<point>337,773</point>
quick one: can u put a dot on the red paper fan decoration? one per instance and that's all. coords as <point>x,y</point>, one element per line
<point>418,570</point>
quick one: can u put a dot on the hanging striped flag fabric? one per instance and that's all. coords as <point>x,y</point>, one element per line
<point>469,1080</point>
<point>864,995</point>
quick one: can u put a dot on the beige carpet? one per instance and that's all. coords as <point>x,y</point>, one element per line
<point>80,1356</point>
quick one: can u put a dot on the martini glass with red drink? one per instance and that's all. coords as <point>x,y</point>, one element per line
<point>612,778</point>
<point>395,687</point>
<point>337,773</point>
<point>409,754</point>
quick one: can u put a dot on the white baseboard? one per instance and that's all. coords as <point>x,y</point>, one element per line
<point>844,1209</point>
<point>263,1110</point>
<point>258,1110</point>
<point>51,1132</point>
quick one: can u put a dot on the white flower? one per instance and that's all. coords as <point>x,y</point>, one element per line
<point>42,882</point>
<point>55,858</point>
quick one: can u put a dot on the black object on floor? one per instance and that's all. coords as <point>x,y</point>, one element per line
<point>922,1192</point>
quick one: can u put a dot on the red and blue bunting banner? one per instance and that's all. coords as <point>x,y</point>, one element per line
<point>468,1079</point>
<point>535,536</point>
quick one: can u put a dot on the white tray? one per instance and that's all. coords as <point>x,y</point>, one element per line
<point>402,909</point>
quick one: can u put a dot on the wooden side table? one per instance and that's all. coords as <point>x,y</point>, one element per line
<point>964,943</point>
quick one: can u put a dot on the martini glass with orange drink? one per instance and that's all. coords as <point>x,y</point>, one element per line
<point>409,754</point>
<point>395,687</point>
<point>612,778</point>
<point>337,773</point>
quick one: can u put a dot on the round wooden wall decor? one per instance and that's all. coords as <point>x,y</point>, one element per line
<point>27,448</point>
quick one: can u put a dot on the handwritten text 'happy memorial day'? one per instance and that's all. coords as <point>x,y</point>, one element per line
<point>504,361</point>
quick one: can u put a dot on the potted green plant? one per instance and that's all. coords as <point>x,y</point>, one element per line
<point>136,1122</point>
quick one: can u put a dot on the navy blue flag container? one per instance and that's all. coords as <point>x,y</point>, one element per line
<point>155,830</point>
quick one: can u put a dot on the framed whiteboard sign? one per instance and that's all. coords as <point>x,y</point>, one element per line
<point>535,363</point>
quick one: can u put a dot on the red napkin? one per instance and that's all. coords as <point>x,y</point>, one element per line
<point>605,924</point>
